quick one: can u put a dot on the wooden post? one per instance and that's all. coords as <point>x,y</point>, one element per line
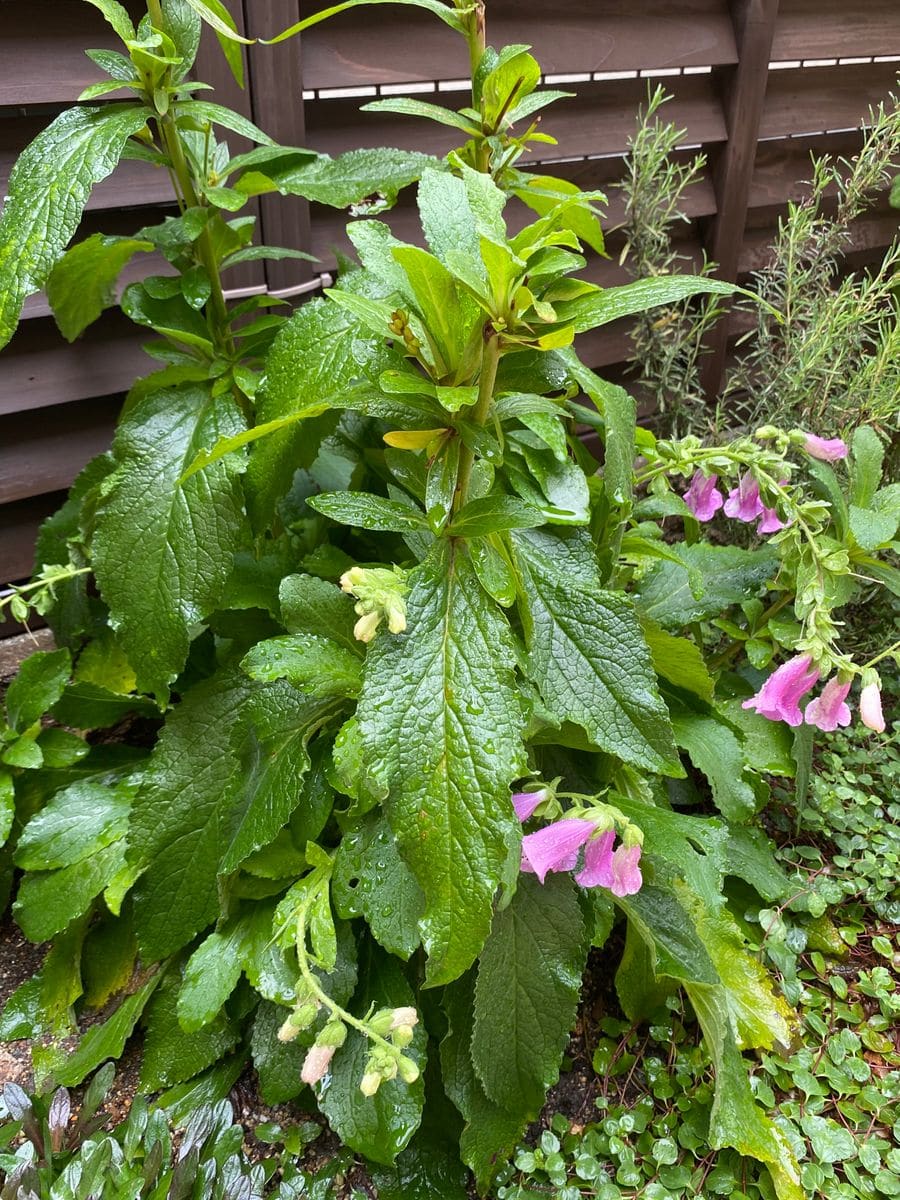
<point>743,98</point>
<point>276,84</point>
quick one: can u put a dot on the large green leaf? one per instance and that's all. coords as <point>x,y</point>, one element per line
<point>49,900</point>
<point>678,660</point>
<point>78,821</point>
<point>105,1041</point>
<point>490,1131</point>
<point>380,1126</point>
<point>588,657</point>
<point>610,304</point>
<point>438,713</point>
<point>318,353</point>
<point>212,974</point>
<point>274,765</point>
<point>37,687</point>
<point>711,580</point>
<point>278,1064</point>
<point>619,414</point>
<point>183,817</point>
<point>446,12</point>
<point>163,552</point>
<point>46,194</point>
<point>350,178</point>
<point>82,284</point>
<point>529,978</point>
<point>171,1054</point>
<point>714,749</point>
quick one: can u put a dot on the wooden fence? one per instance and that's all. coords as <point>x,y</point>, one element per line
<point>757,84</point>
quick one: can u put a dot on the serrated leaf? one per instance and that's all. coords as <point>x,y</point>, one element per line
<point>48,901</point>
<point>490,514</point>
<point>77,822</point>
<point>352,178</point>
<point>309,661</point>
<point>619,414</point>
<point>82,284</point>
<point>211,975</point>
<point>311,605</point>
<point>714,749</point>
<point>430,1165</point>
<point>367,511</point>
<point>872,529</point>
<point>182,818</point>
<point>278,1064</point>
<point>47,191</point>
<point>529,979</point>
<point>164,552</point>
<point>37,687</point>
<point>117,16</point>
<point>866,463</point>
<point>204,111</point>
<point>170,1054</point>
<point>378,1127</point>
<point>370,879</point>
<point>105,1041</point>
<point>439,716</point>
<point>275,761</point>
<point>722,576</point>
<point>611,304</point>
<point>587,655</point>
<point>490,1131</point>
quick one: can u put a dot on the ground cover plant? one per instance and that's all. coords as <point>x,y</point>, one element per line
<point>391,617</point>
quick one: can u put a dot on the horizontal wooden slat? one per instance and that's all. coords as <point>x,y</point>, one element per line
<point>599,120</point>
<point>814,29</point>
<point>45,453</point>
<point>365,48</point>
<point>812,99</point>
<point>19,524</point>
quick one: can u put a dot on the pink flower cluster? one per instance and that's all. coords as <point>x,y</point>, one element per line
<point>779,698</point>
<point>556,848</point>
<point>704,499</point>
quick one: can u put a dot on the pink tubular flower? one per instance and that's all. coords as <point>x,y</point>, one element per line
<point>779,697</point>
<point>825,449</point>
<point>828,710</point>
<point>598,862</point>
<point>743,502</point>
<point>870,707</point>
<point>626,874</point>
<point>526,802</point>
<point>316,1064</point>
<point>770,522</point>
<point>703,498</point>
<point>555,847</point>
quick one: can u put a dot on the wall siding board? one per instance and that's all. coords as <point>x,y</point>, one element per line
<point>58,402</point>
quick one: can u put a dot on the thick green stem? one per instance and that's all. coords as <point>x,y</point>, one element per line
<point>490,360</point>
<point>477,39</point>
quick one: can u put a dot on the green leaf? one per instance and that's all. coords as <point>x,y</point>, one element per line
<point>181,822</point>
<point>170,1054</point>
<point>211,975</point>
<point>184,27</point>
<point>367,511</point>
<point>493,513</point>
<point>278,1064</point>
<point>490,1132</point>
<point>204,111</point>
<point>351,178</point>
<point>212,1087</point>
<point>217,16</point>
<point>49,900</point>
<point>450,227</point>
<point>712,579</point>
<point>676,948</point>
<point>47,191</point>
<point>163,553</point>
<point>714,749</point>
<point>308,661</point>
<point>447,14</point>
<point>311,605</point>
<point>448,313</point>
<point>82,284</point>
<point>43,1003</point>
<point>766,744</point>
<point>430,1165</point>
<point>866,463</point>
<point>872,529</point>
<point>588,657</point>
<point>679,660</point>
<point>407,106</point>
<point>611,304</point>
<point>439,715</point>
<point>381,1126</point>
<point>7,805</point>
<point>105,1041</point>
<point>89,706</point>
<point>371,880</point>
<point>77,822</point>
<point>529,979</point>
<point>117,16</point>
<point>275,761</point>
<point>37,687</point>
<point>619,415</point>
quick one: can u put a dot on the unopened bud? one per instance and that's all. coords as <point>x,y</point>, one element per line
<point>382,1022</point>
<point>408,1069</point>
<point>404,1016</point>
<point>370,1083</point>
<point>365,627</point>
<point>334,1033</point>
<point>288,1031</point>
<point>316,1064</point>
<point>766,432</point>
<point>402,1036</point>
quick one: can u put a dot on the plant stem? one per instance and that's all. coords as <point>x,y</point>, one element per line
<point>884,654</point>
<point>477,39</point>
<point>490,360</point>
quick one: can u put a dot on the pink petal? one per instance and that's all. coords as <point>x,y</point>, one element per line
<point>870,707</point>
<point>779,697</point>
<point>703,498</point>
<point>627,878</point>
<point>316,1064</point>
<point>825,449</point>
<point>598,859</point>
<point>526,802</point>
<point>770,522</point>
<point>555,847</point>
<point>828,710</point>
<point>743,502</point>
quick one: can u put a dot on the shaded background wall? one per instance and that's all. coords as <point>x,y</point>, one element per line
<point>757,84</point>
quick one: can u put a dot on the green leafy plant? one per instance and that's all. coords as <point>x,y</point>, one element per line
<point>392,613</point>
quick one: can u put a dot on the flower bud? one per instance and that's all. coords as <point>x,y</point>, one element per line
<point>316,1064</point>
<point>404,1016</point>
<point>364,629</point>
<point>408,1069</point>
<point>334,1033</point>
<point>288,1031</point>
<point>766,432</point>
<point>870,711</point>
<point>370,1084</point>
<point>403,1036</point>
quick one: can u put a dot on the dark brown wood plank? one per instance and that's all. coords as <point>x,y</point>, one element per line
<point>814,99</point>
<point>19,525</point>
<point>44,453</point>
<point>363,48</point>
<point>811,29</point>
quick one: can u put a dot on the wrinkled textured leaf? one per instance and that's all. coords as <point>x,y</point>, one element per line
<point>438,713</point>
<point>211,975</point>
<point>529,979</point>
<point>726,575</point>
<point>311,605</point>
<point>79,821</point>
<point>37,687</point>
<point>183,817</point>
<point>170,1054</point>
<point>351,178</point>
<point>714,749</point>
<point>82,284</point>
<point>47,191</point>
<point>610,304</point>
<point>588,657</point>
<point>307,661</point>
<point>48,900</point>
<point>278,1064</point>
<point>163,552</point>
<point>106,1041</point>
